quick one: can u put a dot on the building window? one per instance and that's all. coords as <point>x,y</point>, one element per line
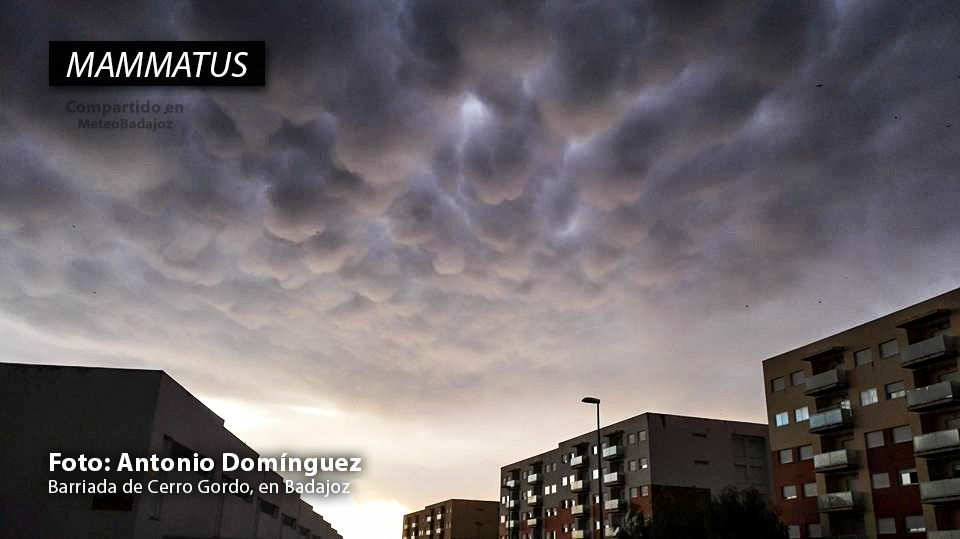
<point>875,439</point>
<point>634,492</point>
<point>786,456</point>
<point>809,490</point>
<point>813,530</point>
<point>801,414</point>
<point>632,466</point>
<point>778,384</point>
<point>902,434</point>
<point>644,490</point>
<point>868,397</point>
<point>553,488</point>
<point>880,480</point>
<point>790,492</point>
<point>644,463</point>
<point>806,452</point>
<point>642,435</point>
<point>889,348</point>
<point>793,531</point>
<point>909,477</point>
<point>886,526</point>
<point>797,378</point>
<point>631,439</point>
<point>783,419</point>
<point>915,524</point>
<point>895,390</point>
<point>862,357</point>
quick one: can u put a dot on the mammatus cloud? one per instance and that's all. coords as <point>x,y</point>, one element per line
<point>444,213</point>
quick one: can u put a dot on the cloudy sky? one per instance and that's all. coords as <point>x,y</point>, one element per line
<point>441,223</point>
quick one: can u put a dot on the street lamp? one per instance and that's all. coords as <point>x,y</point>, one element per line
<point>594,400</point>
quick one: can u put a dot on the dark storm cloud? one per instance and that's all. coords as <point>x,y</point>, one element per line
<point>429,194</point>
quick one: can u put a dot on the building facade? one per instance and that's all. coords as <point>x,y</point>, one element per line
<point>864,428</point>
<point>453,519</point>
<point>105,412</point>
<point>556,494</point>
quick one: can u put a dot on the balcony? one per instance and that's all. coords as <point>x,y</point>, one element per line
<point>511,483</point>
<point>933,396</point>
<point>940,491</point>
<point>613,452</point>
<point>577,461</point>
<point>831,420</point>
<point>511,524</point>
<point>835,461</point>
<point>533,478</point>
<point>533,522</point>
<point>534,500</point>
<point>930,351</point>
<point>943,534</point>
<point>576,534</point>
<point>942,442</point>
<point>577,510</point>
<point>612,531</point>
<point>615,505</point>
<point>613,478</point>
<point>512,504</point>
<point>826,382</point>
<point>839,501</point>
<point>578,485</point>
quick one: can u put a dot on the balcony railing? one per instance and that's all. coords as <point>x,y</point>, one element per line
<point>533,500</point>
<point>831,420</point>
<point>826,382</point>
<point>940,491</point>
<point>933,396</point>
<point>839,501</point>
<point>612,452</point>
<point>835,460</point>
<point>533,478</point>
<point>612,478</point>
<point>577,461</point>
<point>930,350</point>
<point>578,485</point>
<point>533,522</point>
<point>941,442</point>
<point>943,534</point>
<point>577,510</point>
<point>615,505</point>
<point>576,534</point>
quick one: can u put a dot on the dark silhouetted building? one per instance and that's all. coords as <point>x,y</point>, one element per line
<point>453,519</point>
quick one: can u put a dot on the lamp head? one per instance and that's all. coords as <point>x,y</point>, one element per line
<point>590,400</point>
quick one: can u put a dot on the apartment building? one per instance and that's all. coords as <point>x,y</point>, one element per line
<point>453,519</point>
<point>557,494</point>
<point>864,428</point>
<point>102,413</point>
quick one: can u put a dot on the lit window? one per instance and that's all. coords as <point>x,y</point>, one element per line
<point>875,439</point>
<point>880,480</point>
<point>644,490</point>
<point>895,390</point>
<point>809,490</point>
<point>806,452</point>
<point>644,463</point>
<point>783,419</point>
<point>902,434</point>
<point>778,384</point>
<point>909,477</point>
<point>889,348</point>
<point>886,526</point>
<point>801,414</point>
<point>797,378</point>
<point>790,492</point>
<point>862,357</point>
<point>786,456</point>
<point>634,492</point>
<point>915,524</point>
<point>868,397</point>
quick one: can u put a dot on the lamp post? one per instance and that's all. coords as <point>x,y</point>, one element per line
<point>596,401</point>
